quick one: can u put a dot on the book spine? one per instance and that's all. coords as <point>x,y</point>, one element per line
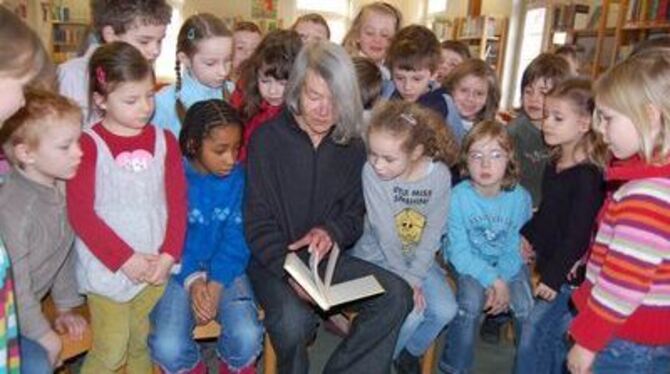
<point>663,10</point>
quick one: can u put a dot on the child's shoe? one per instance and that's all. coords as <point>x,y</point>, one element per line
<point>407,363</point>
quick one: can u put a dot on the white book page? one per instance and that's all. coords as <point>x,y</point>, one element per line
<point>354,289</point>
<point>304,277</point>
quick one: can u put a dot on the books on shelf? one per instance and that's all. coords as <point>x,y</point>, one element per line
<point>648,11</point>
<point>570,16</point>
<point>322,291</point>
<point>444,28</point>
<point>482,26</point>
<point>595,17</point>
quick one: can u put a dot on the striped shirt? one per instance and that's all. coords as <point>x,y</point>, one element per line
<point>626,294</point>
<point>9,335</point>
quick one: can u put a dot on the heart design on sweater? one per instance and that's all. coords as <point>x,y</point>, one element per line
<point>135,161</point>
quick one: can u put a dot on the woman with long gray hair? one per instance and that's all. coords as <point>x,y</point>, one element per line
<point>304,191</point>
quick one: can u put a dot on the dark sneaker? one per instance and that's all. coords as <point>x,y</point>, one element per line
<point>490,331</point>
<point>407,363</point>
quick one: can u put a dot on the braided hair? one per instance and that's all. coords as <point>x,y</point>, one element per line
<point>195,29</point>
<point>199,121</point>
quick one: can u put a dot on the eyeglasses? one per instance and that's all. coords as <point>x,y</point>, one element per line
<point>494,156</point>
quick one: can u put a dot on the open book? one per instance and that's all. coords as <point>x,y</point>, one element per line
<point>323,292</point>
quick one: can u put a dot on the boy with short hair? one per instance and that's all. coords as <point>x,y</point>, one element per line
<point>541,75</point>
<point>141,23</point>
<point>413,58</point>
<point>370,81</point>
<point>42,143</point>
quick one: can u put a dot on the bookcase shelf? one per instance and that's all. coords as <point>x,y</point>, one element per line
<point>486,36</point>
<point>604,31</point>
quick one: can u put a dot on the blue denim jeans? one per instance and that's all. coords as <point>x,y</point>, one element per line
<point>171,339</point>
<point>34,358</point>
<point>625,357</point>
<point>543,345</point>
<point>422,327</point>
<point>458,354</point>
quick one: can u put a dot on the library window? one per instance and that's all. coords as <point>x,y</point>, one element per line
<point>437,6</point>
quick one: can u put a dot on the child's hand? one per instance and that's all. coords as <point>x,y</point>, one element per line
<point>215,289</point>
<point>498,298</point>
<point>136,267</point>
<point>200,301</point>
<point>53,345</point>
<point>545,292</point>
<point>162,265</point>
<point>71,323</point>
<point>580,360</point>
<point>419,299</point>
<point>527,252</point>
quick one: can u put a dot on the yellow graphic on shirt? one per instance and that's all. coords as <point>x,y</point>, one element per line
<point>409,224</point>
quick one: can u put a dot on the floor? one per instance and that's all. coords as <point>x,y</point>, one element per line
<point>489,358</point>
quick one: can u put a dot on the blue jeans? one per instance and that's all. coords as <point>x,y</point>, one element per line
<point>458,354</point>
<point>543,345</point>
<point>34,358</point>
<point>625,357</point>
<point>422,327</point>
<point>171,339</point>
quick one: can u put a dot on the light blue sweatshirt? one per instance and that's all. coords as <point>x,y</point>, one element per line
<point>483,239</point>
<point>190,93</point>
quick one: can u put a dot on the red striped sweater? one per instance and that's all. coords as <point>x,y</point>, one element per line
<point>626,294</point>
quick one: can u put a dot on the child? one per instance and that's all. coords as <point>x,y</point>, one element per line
<point>482,243</point>
<point>559,233</point>
<point>41,142</point>
<point>22,58</point>
<point>454,53</point>
<point>371,32</point>
<point>406,184</point>
<point>473,95</point>
<point>212,283</point>
<point>541,75</point>
<point>369,83</point>
<point>413,57</point>
<point>127,207</point>
<point>569,53</point>
<point>204,50</point>
<point>624,304</point>
<point>246,37</point>
<point>141,23</point>
<point>312,27</point>
<point>264,78</point>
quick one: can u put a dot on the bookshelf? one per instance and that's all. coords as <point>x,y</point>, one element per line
<point>639,20</point>
<point>66,38</point>
<point>444,28</point>
<point>604,31</point>
<point>486,36</point>
<point>68,26</point>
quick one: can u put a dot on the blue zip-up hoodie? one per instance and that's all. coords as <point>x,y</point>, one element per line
<point>215,245</point>
<point>483,239</point>
<point>190,93</point>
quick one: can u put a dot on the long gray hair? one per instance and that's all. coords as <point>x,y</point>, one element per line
<point>333,64</point>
